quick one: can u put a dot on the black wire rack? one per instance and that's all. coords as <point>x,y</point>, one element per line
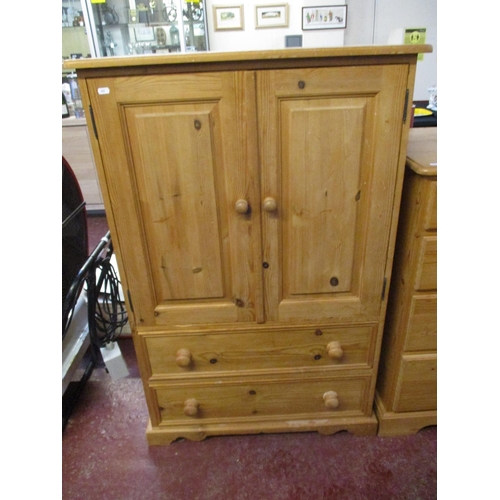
<point>106,311</point>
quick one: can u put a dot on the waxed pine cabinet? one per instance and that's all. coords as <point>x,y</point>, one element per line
<point>252,199</point>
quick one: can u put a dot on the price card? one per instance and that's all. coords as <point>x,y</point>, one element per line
<point>415,36</point>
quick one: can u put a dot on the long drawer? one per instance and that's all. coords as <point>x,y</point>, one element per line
<point>312,397</point>
<point>209,352</point>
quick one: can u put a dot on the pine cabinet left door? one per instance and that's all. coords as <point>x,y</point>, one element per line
<point>179,154</point>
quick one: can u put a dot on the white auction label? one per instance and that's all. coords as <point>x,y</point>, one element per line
<point>103,90</point>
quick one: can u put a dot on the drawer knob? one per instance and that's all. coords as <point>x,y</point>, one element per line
<point>335,350</point>
<point>331,399</point>
<point>241,206</point>
<point>270,205</point>
<point>183,358</point>
<point>191,407</point>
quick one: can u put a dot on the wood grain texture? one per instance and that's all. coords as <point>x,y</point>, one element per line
<point>268,350</point>
<point>417,383</point>
<point>426,278</point>
<point>121,198</point>
<point>422,323</point>
<point>292,56</point>
<point>430,223</point>
<point>329,156</point>
<point>187,163</point>
<point>287,398</point>
<point>402,423</point>
<point>422,150</point>
<point>321,170</point>
<point>164,435</point>
<point>175,169</point>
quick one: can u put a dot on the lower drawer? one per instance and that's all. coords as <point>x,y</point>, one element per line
<point>216,400</point>
<point>181,354</point>
<point>417,383</point>
<point>426,278</point>
<point>421,334</point>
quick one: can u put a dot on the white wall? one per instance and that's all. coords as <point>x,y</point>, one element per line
<point>372,21</point>
<point>360,22</point>
<point>368,22</point>
<point>393,14</point>
<point>270,38</point>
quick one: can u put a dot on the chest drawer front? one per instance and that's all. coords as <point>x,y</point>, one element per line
<point>422,324</point>
<point>249,398</point>
<point>197,353</point>
<point>417,387</point>
<point>431,215</point>
<point>426,278</point>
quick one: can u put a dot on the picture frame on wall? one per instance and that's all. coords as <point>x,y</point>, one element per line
<point>228,17</point>
<point>271,16</point>
<point>324,17</point>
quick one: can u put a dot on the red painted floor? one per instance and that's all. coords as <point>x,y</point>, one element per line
<point>106,457</point>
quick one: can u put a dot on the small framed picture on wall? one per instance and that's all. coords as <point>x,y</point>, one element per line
<point>324,17</point>
<point>271,16</point>
<point>228,17</point>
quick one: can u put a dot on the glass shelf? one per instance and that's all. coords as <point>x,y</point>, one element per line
<point>124,27</point>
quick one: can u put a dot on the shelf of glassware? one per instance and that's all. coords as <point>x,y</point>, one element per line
<point>134,29</point>
<point>162,28</point>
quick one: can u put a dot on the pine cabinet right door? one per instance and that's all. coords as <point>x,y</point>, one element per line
<point>329,142</point>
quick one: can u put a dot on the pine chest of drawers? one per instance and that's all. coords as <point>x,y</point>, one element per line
<point>406,398</point>
<point>252,200</point>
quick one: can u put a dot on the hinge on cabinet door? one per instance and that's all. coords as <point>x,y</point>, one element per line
<point>93,122</point>
<point>405,111</point>
<point>383,288</point>
<point>130,301</point>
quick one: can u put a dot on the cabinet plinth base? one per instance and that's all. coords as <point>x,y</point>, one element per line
<point>402,424</point>
<point>360,426</point>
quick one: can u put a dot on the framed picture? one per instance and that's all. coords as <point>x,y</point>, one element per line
<point>144,34</point>
<point>228,17</point>
<point>271,16</point>
<point>324,17</point>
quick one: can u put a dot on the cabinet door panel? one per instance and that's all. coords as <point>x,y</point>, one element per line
<point>188,152</point>
<point>319,196</point>
<point>178,177</point>
<point>329,147</point>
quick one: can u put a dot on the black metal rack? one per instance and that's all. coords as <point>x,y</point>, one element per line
<point>86,277</point>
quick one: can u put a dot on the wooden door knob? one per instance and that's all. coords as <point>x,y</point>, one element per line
<point>183,358</point>
<point>241,206</point>
<point>191,407</point>
<point>331,399</point>
<point>270,205</point>
<point>334,350</point>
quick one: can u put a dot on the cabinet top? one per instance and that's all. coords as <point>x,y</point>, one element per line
<point>253,59</point>
<point>421,155</point>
